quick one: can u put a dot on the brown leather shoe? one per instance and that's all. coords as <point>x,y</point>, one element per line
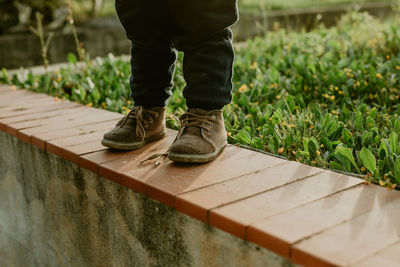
<point>201,138</point>
<point>139,127</point>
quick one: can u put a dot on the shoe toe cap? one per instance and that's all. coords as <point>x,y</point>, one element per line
<point>192,146</point>
<point>110,135</point>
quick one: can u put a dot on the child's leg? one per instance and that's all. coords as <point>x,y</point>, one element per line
<point>203,35</point>
<point>147,25</point>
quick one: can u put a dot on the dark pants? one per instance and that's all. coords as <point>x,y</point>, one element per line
<point>199,28</point>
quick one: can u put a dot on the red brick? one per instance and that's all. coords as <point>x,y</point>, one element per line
<point>174,179</point>
<point>25,105</point>
<point>235,217</point>
<point>67,122</point>
<point>54,149</point>
<point>387,257</point>
<point>41,112</point>
<point>7,99</point>
<point>71,153</point>
<point>64,146</point>
<point>14,127</point>
<point>92,161</point>
<point>348,243</point>
<point>113,175</point>
<point>72,148</point>
<point>40,139</point>
<point>67,116</point>
<point>279,232</point>
<point>197,203</point>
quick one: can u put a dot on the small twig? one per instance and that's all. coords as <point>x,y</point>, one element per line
<point>44,44</point>
<point>79,45</point>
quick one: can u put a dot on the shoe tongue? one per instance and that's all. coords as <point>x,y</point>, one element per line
<point>195,130</point>
<point>198,111</point>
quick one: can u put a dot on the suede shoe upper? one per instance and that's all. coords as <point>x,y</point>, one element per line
<point>202,132</point>
<point>138,125</point>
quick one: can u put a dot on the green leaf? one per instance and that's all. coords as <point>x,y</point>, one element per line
<point>348,154</point>
<point>267,114</point>
<point>382,151</point>
<point>82,94</point>
<point>4,78</point>
<point>305,143</point>
<point>327,144</point>
<point>288,140</point>
<point>243,137</point>
<point>343,63</point>
<point>333,127</point>
<point>397,170</point>
<point>367,138</point>
<point>311,66</point>
<point>96,95</point>
<point>397,125</point>
<point>336,166</point>
<point>370,122</point>
<point>243,101</point>
<point>257,143</point>
<point>274,75</point>
<point>290,103</point>
<point>346,164</point>
<point>389,163</point>
<point>368,159</point>
<point>71,58</point>
<point>272,145</point>
<point>277,117</point>
<point>394,142</point>
<point>389,149</point>
<point>380,165</point>
<point>312,150</point>
<point>359,121</point>
<point>372,113</point>
<point>347,136</point>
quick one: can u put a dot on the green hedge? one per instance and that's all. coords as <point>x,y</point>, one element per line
<point>328,98</point>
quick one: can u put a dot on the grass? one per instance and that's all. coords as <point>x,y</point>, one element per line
<point>327,98</point>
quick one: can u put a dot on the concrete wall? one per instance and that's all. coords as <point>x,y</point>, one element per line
<point>24,50</point>
<point>53,213</point>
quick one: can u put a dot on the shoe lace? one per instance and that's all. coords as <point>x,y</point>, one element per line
<point>142,117</point>
<point>188,119</point>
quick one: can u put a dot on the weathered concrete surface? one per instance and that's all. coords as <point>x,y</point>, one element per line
<point>15,53</point>
<point>53,213</point>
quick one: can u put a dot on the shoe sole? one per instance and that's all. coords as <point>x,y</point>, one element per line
<point>131,146</point>
<point>195,158</point>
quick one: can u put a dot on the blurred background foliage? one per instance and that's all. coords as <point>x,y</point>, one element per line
<point>18,15</point>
